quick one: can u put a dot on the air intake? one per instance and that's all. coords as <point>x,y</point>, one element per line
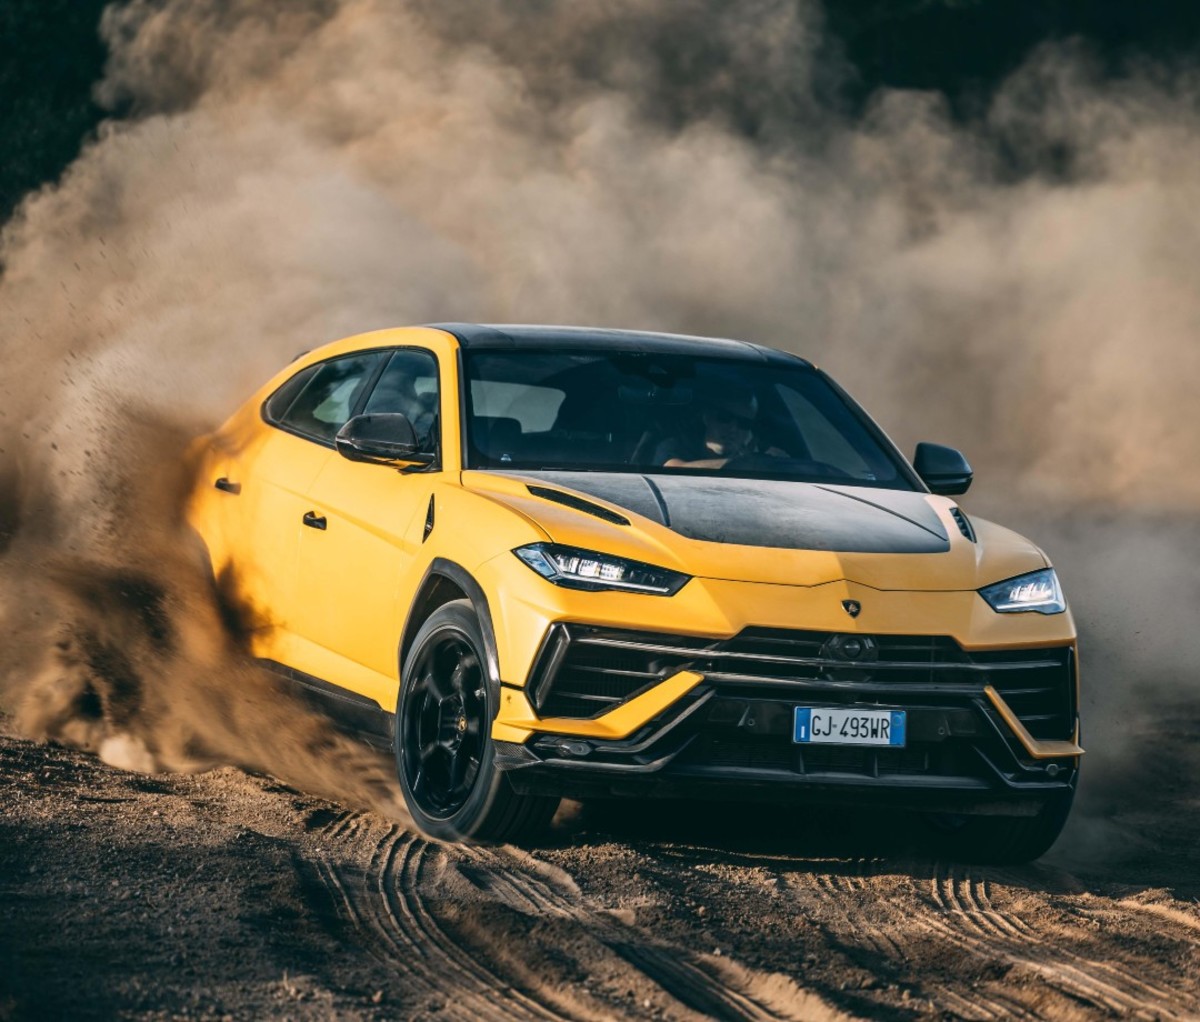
<point>578,504</point>
<point>963,523</point>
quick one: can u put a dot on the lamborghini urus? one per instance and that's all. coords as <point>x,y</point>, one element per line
<point>541,562</point>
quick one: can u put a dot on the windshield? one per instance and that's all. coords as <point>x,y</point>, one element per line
<point>616,411</point>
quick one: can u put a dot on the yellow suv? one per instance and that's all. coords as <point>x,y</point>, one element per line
<point>546,561</point>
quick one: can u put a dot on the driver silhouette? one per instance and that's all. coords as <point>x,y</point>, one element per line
<point>728,421</point>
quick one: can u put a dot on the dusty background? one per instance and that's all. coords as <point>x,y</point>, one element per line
<point>982,217</point>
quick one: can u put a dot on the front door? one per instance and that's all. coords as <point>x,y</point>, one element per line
<point>365,523</point>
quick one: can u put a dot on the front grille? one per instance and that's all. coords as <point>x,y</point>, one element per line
<point>1042,694</point>
<point>585,671</point>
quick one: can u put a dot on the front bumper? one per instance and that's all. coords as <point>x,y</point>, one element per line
<point>992,731</point>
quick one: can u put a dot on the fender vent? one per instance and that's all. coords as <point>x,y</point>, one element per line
<point>578,503</point>
<point>428,520</point>
<point>963,523</point>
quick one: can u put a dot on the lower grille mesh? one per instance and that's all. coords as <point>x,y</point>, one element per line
<point>598,669</point>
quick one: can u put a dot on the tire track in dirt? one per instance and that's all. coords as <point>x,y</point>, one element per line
<point>528,885</point>
<point>840,893</point>
<point>977,896</point>
<point>1032,958</point>
<point>386,902</point>
<point>1172,915</point>
<point>380,903</point>
<point>964,912</point>
<point>956,905</point>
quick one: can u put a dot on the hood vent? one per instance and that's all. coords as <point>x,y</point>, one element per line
<point>578,504</point>
<point>963,523</point>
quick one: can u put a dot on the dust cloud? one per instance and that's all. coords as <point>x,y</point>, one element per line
<point>1022,286</point>
<point>118,642</point>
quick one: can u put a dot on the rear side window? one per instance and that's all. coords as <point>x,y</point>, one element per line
<point>279,402</point>
<point>326,396</point>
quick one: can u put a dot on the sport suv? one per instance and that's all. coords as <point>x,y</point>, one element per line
<point>543,562</point>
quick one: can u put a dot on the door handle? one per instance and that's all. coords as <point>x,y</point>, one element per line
<point>314,520</point>
<point>226,486</point>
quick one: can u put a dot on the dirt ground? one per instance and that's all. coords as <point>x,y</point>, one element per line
<point>226,895</point>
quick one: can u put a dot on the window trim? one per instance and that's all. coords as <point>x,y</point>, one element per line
<point>387,351</point>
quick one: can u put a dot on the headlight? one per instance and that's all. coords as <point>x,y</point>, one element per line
<point>585,569</point>
<point>1038,591</point>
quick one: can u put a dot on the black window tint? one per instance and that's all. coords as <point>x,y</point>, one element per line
<point>409,385</point>
<point>621,411</point>
<point>330,396</point>
<point>279,402</point>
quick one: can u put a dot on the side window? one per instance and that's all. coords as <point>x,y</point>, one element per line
<point>409,385</point>
<point>279,402</point>
<point>328,397</point>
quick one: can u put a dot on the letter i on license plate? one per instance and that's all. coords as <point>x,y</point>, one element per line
<point>842,726</point>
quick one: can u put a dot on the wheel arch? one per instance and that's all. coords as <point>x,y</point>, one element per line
<point>443,582</point>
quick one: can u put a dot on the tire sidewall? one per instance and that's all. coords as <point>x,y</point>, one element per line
<point>1003,840</point>
<point>457,618</point>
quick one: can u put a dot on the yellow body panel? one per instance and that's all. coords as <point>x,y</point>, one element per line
<point>334,603</point>
<point>374,550</point>
<point>517,719</point>
<point>1036,749</point>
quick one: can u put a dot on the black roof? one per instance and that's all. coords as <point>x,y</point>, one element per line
<point>503,335</point>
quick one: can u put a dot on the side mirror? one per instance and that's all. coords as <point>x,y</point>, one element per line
<point>943,469</point>
<point>382,438</point>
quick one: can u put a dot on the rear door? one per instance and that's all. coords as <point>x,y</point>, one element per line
<point>369,522</point>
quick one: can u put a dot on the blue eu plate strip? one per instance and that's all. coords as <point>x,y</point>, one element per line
<point>803,723</point>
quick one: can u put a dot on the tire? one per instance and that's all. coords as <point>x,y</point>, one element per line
<point>1002,840</point>
<point>443,745</point>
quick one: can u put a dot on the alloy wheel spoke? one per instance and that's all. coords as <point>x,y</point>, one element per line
<point>444,734</point>
<point>458,770</point>
<point>469,661</point>
<point>425,685</point>
<point>439,687</point>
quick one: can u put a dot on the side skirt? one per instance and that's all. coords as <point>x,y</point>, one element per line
<point>352,714</point>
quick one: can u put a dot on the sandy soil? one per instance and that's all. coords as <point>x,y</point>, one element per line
<point>226,895</point>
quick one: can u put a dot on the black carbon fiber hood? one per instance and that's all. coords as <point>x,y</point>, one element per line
<point>769,513</point>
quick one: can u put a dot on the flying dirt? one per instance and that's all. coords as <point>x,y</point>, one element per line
<point>1021,286</point>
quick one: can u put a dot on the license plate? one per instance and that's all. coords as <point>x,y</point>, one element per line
<point>840,726</point>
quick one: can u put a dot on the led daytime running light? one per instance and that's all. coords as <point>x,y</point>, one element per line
<point>587,569</point>
<point>1038,591</point>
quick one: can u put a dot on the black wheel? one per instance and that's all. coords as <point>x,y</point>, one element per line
<point>1002,840</point>
<point>443,746</point>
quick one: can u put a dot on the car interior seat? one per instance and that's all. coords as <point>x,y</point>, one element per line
<point>496,439</point>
